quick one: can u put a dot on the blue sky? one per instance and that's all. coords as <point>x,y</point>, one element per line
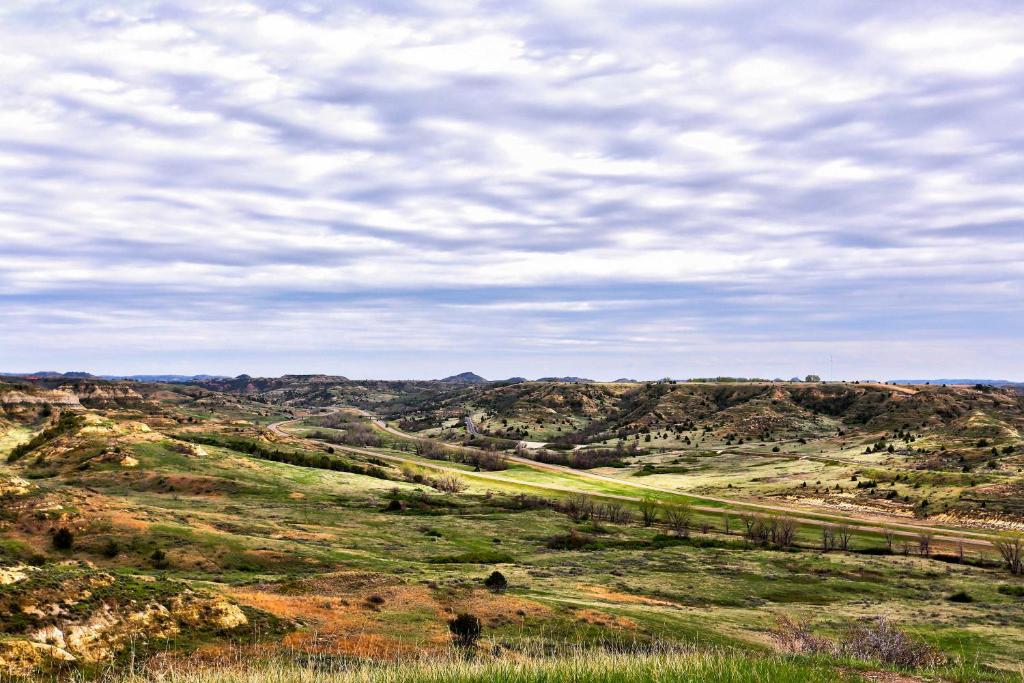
<point>402,189</point>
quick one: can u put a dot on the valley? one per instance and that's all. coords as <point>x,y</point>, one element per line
<point>176,524</point>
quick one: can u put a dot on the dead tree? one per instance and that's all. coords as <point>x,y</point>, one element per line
<point>890,537</point>
<point>1012,552</point>
<point>843,536</point>
<point>678,517</point>
<point>924,543</point>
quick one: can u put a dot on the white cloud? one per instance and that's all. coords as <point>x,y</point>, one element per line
<point>739,169</point>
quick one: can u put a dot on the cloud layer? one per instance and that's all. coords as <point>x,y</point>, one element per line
<point>402,189</point>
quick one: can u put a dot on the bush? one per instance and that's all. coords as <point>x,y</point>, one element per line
<point>496,582</point>
<point>111,549</point>
<point>159,559</point>
<point>63,539</point>
<point>879,640</point>
<point>465,629</point>
<point>1014,590</point>
<point>448,483</point>
<point>573,540</point>
<point>960,596</point>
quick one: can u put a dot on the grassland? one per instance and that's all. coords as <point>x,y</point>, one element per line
<point>626,667</point>
<point>336,567</point>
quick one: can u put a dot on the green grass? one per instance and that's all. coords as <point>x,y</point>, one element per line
<point>577,667</point>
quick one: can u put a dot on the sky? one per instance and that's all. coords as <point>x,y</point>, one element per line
<point>413,189</point>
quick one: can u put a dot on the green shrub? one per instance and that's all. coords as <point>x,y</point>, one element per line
<point>496,582</point>
<point>465,629</point>
<point>63,539</point>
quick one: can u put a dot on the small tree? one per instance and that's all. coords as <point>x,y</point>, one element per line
<point>1012,552</point>
<point>890,536</point>
<point>496,582</point>
<point>465,629</point>
<point>843,535</point>
<point>828,538</point>
<point>648,511</point>
<point>159,559</point>
<point>785,531</point>
<point>678,517</point>
<point>924,543</point>
<point>63,539</point>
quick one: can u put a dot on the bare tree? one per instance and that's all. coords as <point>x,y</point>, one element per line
<point>679,517</point>
<point>785,533</point>
<point>613,512</point>
<point>579,508</point>
<point>726,520</point>
<point>828,538</point>
<point>890,537</point>
<point>1012,552</point>
<point>648,511</point>
<point>749,521</point>
<point>924,543</point>
<point>843,536</point>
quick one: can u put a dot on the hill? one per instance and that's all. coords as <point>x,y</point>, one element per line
<point>247,520</point>
<point>464,378</point>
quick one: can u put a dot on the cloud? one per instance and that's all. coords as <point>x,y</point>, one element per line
<point>490,182</point>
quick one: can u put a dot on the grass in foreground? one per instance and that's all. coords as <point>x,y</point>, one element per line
<point>592,667</point>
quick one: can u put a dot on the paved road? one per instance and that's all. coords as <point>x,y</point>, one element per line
<point>904,530</point>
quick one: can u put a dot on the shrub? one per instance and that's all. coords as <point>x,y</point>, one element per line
<point>465,629</point>
<point>111,549</point>
<point>879,640</point>
<point>159,559</point>
<point>496,582</point>
<point>573,540</point>
<point>1015,590</point>
<point>960,596</point>
<point>63,539</point>
<point>448,484</point>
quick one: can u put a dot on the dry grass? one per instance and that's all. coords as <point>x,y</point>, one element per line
<point>575,666</point>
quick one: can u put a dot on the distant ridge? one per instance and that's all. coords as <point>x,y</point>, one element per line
<point>991,382</point>
<point>464,378</point>
<point>568,380</point>
<point>170,379</point>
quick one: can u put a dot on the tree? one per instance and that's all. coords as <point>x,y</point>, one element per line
<point>812,378</point>
<point>1012,552</point>
<point>465,629</point>
<point>785,531</point>
<point>159,559</point>
<point>890,536</point>
<point>924,543</point>
<point>679,517</point>
<point>496,582</point>
<point>828,538</point>
<point>648,511</point>
<point>63,539</point>
<point>843,534</point>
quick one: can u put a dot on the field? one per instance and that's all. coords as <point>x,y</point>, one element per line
<point>287,535</point>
